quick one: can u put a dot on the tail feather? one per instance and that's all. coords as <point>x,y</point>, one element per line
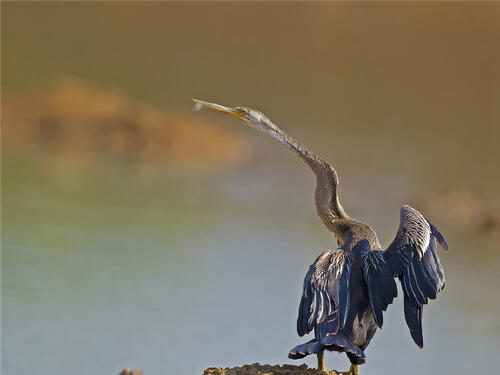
<point>340,343</point>
<point>300,351</point>
<point>337,342</point>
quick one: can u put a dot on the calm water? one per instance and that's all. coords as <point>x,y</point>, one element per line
<point>104,269</point>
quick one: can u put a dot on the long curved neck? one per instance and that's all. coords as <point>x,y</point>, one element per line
<point>326,198</point>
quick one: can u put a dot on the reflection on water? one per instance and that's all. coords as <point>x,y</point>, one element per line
<point>173,274</point>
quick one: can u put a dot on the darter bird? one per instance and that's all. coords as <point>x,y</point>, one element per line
<point>347,289</point>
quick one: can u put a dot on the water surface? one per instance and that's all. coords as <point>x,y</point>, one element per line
<point>104,269</point>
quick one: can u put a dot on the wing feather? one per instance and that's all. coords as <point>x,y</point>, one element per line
<point>325,296</point>
<point>379,279</point>
<point>413,258</point>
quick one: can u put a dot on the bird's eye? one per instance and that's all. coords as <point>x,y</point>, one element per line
<point>241,110</point>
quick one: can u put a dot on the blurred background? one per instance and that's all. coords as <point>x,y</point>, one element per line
<point>138,233</point>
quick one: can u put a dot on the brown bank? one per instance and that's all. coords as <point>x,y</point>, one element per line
<point>77,125</point>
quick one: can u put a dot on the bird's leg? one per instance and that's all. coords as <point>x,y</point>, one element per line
<point>321,362</point>
<point>354,369</point>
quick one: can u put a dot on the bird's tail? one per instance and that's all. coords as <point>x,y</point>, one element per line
<point>300,351</point>
<point>337,342</point>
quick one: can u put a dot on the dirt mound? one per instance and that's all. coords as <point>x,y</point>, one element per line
<point>73,122</point>
<point>258,369</point>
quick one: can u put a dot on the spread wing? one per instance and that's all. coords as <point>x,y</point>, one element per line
<point>325,297</point>
<point>379,280</point>
<point>413,257</point>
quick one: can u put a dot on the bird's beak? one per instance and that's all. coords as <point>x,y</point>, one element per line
<point>216,107</point>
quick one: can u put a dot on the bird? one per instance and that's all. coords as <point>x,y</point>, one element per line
<point>347,289</point>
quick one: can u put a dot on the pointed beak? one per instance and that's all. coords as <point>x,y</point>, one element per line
<point>216,107</point>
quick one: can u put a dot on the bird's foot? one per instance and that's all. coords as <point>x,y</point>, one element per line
<point>353,370</point>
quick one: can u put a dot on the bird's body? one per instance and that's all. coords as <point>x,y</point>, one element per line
<point>341,272</point>
<point>347,289</point>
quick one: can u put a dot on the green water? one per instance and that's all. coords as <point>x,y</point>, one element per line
<point>104,269</point>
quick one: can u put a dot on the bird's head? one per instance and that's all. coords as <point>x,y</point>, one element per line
<point>251,117</point>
